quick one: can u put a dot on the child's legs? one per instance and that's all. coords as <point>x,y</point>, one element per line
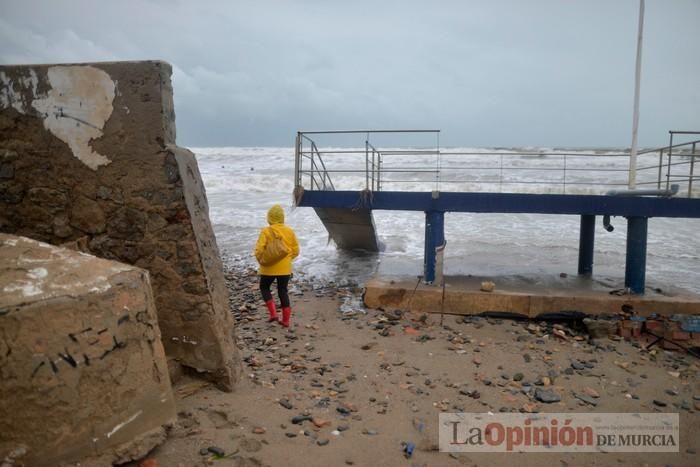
<point>265,283</point>
<point>282,283</point>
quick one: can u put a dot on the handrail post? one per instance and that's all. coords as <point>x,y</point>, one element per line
<point>500,176</point>
<point>374,170</point>
<point>690,176</point>
<point>313,165</point>
<point>668,169</point>
<point>297,162</point>
<point>367,163</point>
<point>661,165</point>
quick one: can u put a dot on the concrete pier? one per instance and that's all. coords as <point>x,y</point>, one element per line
<point>636,209</point>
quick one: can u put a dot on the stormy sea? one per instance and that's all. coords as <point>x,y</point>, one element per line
<point>242,183</point>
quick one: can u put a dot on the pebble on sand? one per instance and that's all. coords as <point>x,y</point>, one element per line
<point>286,404</point>
<point>547,396</point>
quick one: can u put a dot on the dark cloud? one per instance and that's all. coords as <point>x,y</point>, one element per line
<point>488,73</point>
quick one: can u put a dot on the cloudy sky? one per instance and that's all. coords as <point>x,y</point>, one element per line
<point>485,72</point>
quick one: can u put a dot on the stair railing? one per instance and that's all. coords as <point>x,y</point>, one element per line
<point>676,163</point>
<point>319,178</point>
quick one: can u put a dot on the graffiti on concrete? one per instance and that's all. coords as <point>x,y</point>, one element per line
<point>82,347</point>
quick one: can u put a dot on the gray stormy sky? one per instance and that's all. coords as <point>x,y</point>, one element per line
<point>485,72</point>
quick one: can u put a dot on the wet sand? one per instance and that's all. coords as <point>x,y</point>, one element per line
<point>381,378</point>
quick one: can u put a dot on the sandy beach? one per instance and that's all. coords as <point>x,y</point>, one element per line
<point>372,381</point>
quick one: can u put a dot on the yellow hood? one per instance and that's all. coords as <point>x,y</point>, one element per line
<point>275,215</point>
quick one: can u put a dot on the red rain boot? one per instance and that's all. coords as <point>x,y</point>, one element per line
<point>286,315</point>
<point>273,310</point>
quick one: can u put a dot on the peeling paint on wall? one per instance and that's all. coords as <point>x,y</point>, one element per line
<point>9,97</point>
<point>75,109</point>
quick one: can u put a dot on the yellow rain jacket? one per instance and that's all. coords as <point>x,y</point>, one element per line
<point>275,217</point>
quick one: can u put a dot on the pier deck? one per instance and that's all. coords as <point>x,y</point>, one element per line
<point>668,191</point>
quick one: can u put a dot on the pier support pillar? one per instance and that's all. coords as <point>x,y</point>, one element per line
<point>434,245</point>
<point>635,264</point>
<point>585,245</point>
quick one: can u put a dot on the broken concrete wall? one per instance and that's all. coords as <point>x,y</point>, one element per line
<point>87,157</point>
<point>82,368</point>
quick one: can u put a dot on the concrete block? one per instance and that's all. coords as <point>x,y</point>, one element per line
<point>517,294</point>
<point>83,373</point>
<point>91,161</point>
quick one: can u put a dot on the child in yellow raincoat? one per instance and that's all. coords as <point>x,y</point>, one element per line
<point>280,271</point>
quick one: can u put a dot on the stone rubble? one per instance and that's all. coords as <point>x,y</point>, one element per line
<point>319,400</point>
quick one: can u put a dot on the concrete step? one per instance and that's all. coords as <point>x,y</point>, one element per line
<point>350,229</point>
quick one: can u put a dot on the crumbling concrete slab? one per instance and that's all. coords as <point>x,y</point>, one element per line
<point>526,296</point>
<point>88,159</point>
<point>83,373</point>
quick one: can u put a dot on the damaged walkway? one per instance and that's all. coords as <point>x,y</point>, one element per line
<point>529,296</point>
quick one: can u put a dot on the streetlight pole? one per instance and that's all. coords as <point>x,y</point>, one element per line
<point>635,118</point>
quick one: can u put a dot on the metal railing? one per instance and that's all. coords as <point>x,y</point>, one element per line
<point>319,177</point>
<point>674,158</point>
<point>373,164</point>
<point>309,162</point>
<point>428,167</point>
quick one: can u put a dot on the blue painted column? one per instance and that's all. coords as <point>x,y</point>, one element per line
<point>434,238</point>
<point>635,265</point>
<point>585,245</point>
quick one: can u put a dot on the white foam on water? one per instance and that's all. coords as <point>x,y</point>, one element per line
<point>476,243</point>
